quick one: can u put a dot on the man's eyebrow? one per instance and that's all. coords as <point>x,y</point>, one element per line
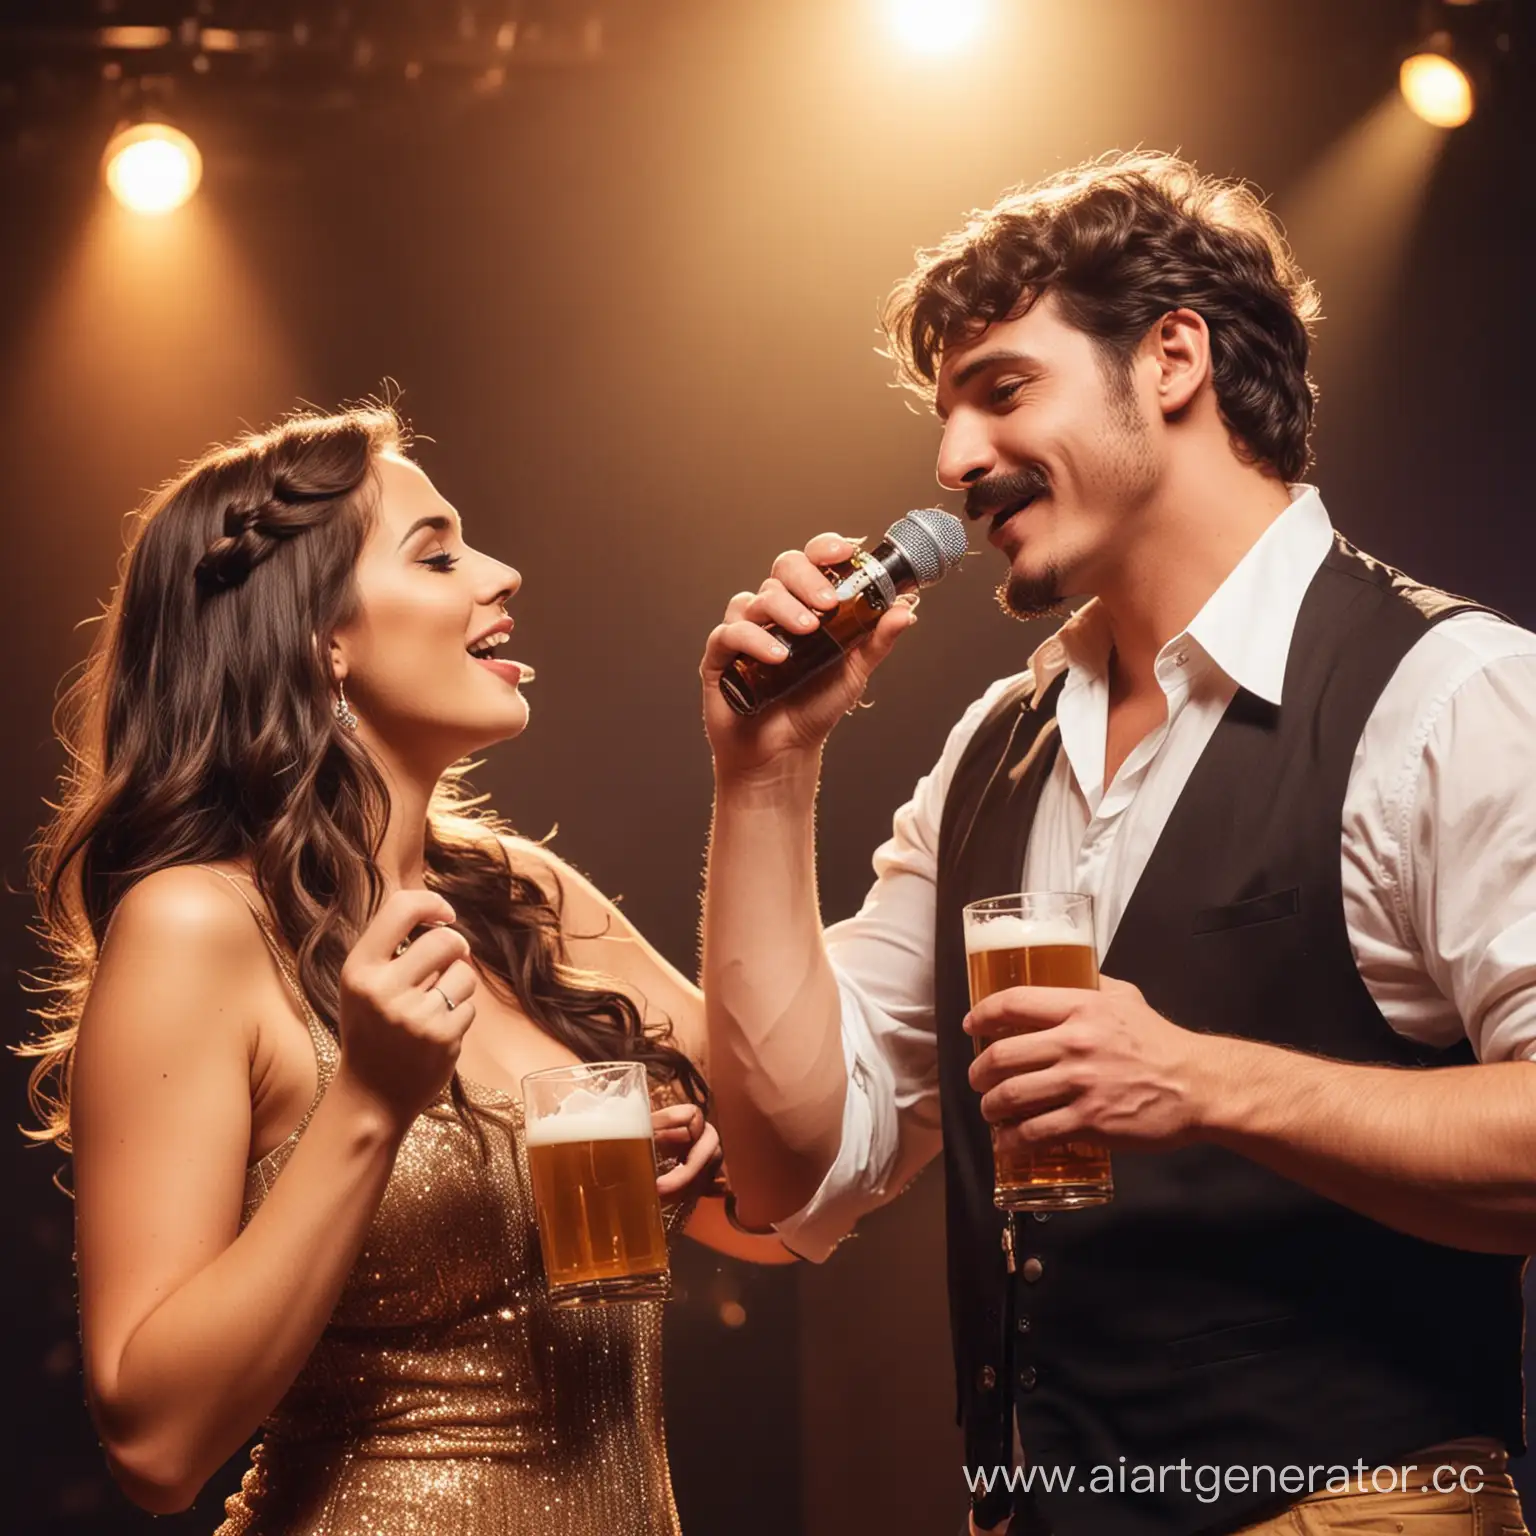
<point>978,365</point>
<point>439,522</point>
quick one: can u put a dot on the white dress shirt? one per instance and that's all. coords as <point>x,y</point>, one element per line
<point>1438,845</point>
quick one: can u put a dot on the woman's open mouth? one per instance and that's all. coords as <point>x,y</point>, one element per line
<point>485,653</point>
<point>509,671</point>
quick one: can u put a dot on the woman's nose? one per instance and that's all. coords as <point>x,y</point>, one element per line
<point>506,580</point>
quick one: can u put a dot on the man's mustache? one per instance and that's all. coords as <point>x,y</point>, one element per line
<point>987,496</point>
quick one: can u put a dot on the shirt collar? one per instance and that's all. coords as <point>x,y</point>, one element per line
<point>1246,625</point>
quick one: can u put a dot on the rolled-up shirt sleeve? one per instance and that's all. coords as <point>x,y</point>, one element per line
<point>883,960</point>
<point>1469,866</point>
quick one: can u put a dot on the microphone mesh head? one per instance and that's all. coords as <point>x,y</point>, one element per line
<point>932,540</point>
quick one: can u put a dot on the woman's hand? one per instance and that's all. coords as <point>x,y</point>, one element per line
<point>405,1005</point>
<point>682,1131</point>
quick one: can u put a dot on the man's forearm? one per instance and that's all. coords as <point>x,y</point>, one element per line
<point>771,999</point>
<point>1448,1155</point>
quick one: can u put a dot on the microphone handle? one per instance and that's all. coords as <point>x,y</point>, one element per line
<point>866,586</point>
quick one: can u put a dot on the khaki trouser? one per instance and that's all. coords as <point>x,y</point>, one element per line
<point>1481,1501</point>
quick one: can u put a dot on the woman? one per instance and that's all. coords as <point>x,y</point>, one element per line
<point>299,982</point>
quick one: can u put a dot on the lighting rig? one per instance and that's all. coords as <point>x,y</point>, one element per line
<point>149,76</point>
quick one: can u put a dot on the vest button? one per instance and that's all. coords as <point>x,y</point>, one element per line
<point>1032,1269</point>
<point>1028,1378</point>
<point>1024,1323</point>
<point>986,1378</point>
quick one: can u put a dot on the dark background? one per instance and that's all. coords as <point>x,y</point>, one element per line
<point>632,304</point>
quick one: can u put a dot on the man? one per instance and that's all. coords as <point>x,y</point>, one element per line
<point>1299,788</point>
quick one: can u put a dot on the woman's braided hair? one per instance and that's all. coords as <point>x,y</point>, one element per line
<point>250,536</point>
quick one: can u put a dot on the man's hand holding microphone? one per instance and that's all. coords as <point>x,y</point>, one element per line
<point>793,656</point>
<point>785,665</point>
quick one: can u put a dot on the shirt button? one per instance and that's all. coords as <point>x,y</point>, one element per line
<point>986,1378</point>
<point>1024,1323</point>
<point>1032,1269</point>
<point>1028,1378</point>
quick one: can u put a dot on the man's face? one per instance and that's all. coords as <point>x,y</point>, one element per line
<point>1056,448</point>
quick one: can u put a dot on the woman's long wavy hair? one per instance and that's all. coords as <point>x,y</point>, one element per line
<point>203,729</point>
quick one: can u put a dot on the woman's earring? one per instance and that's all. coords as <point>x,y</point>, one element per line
<point>344,716</point>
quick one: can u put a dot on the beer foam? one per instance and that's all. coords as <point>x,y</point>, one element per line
<point>1020,933</point>
<point>587,1116</point>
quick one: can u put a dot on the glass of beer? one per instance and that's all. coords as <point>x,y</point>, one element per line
<point>592,1162</point>
<point>1038,939</point>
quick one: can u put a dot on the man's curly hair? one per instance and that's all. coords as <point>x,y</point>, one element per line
<point>1121,242</point>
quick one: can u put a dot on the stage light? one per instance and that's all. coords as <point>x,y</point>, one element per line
<point>937,26</point>
<point>152,168</point>
<point>1437,88</point>
<point>135,37</point>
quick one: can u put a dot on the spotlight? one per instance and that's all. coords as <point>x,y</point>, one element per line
<point>937,26</point>
<point>1454,65</point>
<point>152,168</point>
<point>1437,88</point>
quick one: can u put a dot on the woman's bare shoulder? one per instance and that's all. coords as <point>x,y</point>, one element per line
<point>171,1007</point>
<point>600,938</point>
<point>187,920</point>
<point>559,879</point>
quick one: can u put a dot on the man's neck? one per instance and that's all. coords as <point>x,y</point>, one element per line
<point>1183,547</point>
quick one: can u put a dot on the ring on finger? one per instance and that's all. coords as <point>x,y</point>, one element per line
<point>442,994</point>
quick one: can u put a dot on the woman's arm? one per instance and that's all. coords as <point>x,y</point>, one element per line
<point>193,1329</point>
<point>710,1226</point>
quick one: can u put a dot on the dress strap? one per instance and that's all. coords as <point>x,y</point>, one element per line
<point>320,1037</point>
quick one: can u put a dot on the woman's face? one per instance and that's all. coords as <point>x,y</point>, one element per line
<point>416,661</point>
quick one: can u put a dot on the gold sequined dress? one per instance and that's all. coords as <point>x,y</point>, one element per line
<point>446,1397</point>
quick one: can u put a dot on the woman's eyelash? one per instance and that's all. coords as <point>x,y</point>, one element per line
<point>440,562</point>
<point>1005,392</point>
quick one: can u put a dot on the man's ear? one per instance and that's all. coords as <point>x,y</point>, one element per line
<point>1181,347</point>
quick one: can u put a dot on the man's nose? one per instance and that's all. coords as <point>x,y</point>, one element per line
<point>965,454</point>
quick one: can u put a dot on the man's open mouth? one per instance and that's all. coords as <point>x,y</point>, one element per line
<point>1009,509</point>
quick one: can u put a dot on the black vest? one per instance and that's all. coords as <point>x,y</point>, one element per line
<point>1214,1313</point>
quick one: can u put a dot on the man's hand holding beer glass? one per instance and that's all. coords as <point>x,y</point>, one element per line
<point>1065,1062</point>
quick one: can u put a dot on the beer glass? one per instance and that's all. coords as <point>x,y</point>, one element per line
<point>1038,939</point>
<point>592,1163</point>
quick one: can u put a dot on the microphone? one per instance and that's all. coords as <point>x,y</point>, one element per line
<point>917,550</point>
